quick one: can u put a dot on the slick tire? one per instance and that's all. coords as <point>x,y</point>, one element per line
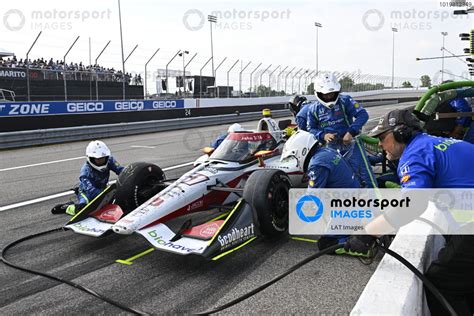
<point>268,192</point>
<point>137,183</point>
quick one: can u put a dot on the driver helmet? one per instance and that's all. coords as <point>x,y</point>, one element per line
<point>327,89</point>
<point>98,154</point>
<point>236,127</point>
<point>267,113</point>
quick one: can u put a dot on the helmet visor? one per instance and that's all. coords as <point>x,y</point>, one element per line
<point>328,97</point>
<point>99,162</point>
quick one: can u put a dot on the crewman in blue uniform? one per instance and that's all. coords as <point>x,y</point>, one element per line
<point>459,128</point>
<point>299,108</point>
<point>93,178</point>
<point>326,169</point>
<point>335,120</point>
<point>427,162</point>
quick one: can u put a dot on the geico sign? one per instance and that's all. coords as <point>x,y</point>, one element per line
<point>129,105</point>
<point>85,107</point>
<point>164,104</point>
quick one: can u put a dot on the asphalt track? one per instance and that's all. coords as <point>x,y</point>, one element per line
<point>159,282</point>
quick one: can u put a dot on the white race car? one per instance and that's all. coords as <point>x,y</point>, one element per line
<point>249,175</point>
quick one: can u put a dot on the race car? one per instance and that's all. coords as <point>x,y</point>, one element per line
<point>249,176</point>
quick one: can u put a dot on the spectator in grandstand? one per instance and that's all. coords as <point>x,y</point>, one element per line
<point>105,74</point>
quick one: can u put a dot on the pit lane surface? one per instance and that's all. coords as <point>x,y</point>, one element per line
<point>159,282</point>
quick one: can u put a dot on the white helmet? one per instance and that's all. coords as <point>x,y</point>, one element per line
<point>236,127</point>
<point>327,89</point>
<point>299,146</point>
<point>96,150</point>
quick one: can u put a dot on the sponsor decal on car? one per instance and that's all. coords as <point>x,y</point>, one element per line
<point>211,170</point>
<point>84,228</point>
<point>169,244</point>
<point>195,179</point>
<point>209,230</point>
<point>195,205</point>
<point>157,202</point>
<point>251,137</point>
<point>236,236</point>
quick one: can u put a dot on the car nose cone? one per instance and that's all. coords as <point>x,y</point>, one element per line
<point>120,229</point>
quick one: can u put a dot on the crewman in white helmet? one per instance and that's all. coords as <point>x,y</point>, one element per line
<point>93,178</point>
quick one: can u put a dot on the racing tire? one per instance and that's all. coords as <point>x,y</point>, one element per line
<point>268,192</point>
<point>137,183</point>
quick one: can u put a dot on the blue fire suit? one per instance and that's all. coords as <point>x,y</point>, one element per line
<point>437,162</point>
<point>328,169</point>
<point>346,116</point>
<point>461,105</point>
<point>92,181</point>
<point>302,117</point>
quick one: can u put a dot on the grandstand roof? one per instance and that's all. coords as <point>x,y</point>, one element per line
<point>5,53</point>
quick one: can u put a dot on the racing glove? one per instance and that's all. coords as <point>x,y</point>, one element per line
<point>360,245</point>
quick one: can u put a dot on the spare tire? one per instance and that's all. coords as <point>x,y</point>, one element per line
<point>137,183</point>
<point>268,192</point>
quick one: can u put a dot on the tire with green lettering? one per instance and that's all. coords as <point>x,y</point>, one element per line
<point>268,192</point>
<point>137,183</point>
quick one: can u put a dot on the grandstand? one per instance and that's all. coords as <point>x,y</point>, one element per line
<point>47,80</point>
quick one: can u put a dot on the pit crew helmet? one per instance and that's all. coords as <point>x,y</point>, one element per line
<point>96,150</point>
<point>327,89</point>
<point>295,103</point>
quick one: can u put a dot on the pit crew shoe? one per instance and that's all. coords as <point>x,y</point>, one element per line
<point>61,208</point>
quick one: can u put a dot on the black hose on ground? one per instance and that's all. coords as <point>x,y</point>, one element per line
<point>58,279</point>
<point>331,249</point>
<point>383,248</point>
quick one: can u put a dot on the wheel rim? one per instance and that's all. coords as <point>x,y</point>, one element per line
<point>147,188</point>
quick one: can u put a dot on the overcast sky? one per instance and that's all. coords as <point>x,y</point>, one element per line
<point>355,35</point>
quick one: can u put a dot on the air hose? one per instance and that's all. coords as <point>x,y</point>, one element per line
<point>331,249</point>
<point>58,279</point>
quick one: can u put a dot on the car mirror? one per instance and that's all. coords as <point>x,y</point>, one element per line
<point>208,150</point>
<point>262,153</point>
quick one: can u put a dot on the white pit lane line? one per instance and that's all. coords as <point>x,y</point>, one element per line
<point>41,164</point>
<point>143,146</point>
<point>54,196</point>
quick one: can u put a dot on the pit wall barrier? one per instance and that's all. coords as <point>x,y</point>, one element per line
<point>393,289</point>
<point>39,123</point>
<point>22,116</point>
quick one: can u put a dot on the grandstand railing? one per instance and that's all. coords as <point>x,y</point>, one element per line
<point>7,95</point>
<point>80,75</point>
